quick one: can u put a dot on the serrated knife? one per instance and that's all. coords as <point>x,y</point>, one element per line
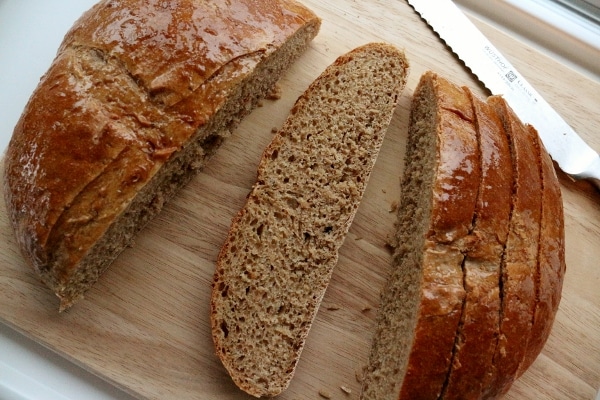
<point>571,153</point>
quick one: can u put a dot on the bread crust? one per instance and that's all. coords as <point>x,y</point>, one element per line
<point>276,262</point>
<point>551,259</point>
<point>520,259</point>
<point>135,86</point>
<point>454,198</point>
<point>472,369</point>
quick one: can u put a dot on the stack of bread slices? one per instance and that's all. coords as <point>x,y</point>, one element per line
<point>479,252</point>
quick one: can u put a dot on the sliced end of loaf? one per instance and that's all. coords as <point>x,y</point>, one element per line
<point>510,257</point>
<point>397,317</point>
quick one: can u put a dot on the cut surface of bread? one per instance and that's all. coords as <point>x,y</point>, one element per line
<point>422,303</point>
<point>277,261</point>
<point>138,98</point>
<point>472,369</point>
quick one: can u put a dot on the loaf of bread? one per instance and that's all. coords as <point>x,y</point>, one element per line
<point>276,263</point>
<point>139,96</point>
<point>479,262</point>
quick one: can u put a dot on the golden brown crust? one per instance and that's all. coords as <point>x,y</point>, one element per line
<point>172,50</point>
<point>520,259</point>
<point>126,93</point>
<point>454,197</point>
<point>512,258</point>
<point>551,257</point>
<point>472,368</point>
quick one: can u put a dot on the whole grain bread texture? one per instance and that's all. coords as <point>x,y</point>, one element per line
<point>277,260</point>
<point>137,99</point>
<point>507,288</point>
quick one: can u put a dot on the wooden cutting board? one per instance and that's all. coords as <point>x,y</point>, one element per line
<point>144,327</point>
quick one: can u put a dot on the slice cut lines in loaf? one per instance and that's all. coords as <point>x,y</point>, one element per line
<point>276,263</point>
<point>422,303</point>
<point>551,260</point>
<point>520,259</point>
<point>472,369</point>
<point>451,327</point>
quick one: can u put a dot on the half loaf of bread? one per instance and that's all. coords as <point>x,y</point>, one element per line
<point>138,97</point>
<point>277,261</point>
<point>474,285</point>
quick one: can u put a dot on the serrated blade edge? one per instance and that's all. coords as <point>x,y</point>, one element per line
<point>490,67</point>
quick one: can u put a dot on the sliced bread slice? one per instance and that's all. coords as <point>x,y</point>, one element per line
<point>422,303</point>
<point>551,260</point>
<point>472,368</point>
<point>277,261</point>
<point>520,258</point>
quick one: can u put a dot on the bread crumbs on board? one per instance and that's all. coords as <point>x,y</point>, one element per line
<point>358,374</point>
<point>274,93</point>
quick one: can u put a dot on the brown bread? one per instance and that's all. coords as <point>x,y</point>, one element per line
<point>276,263</point>
<point>472,368</point>
<point>494,309</point>
<point>422,303</point>
<point>520,259</point>
<point>138,98</point>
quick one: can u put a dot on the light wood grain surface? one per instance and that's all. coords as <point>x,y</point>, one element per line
<point>144,327</point>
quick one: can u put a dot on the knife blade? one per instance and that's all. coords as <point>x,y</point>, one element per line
<point>566,147</point>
